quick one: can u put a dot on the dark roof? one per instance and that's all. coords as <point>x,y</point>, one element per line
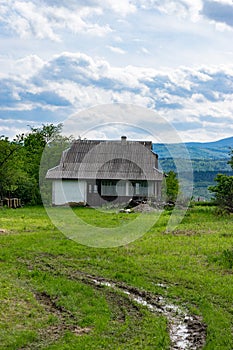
<point>93,159</point>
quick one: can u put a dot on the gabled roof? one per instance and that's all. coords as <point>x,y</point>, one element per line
<point>94,159</point>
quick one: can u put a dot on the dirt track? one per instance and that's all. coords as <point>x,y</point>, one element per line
<point>186,331</point>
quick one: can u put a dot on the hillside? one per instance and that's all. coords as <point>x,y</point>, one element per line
<point>197,150</point>
<point>208,159</point>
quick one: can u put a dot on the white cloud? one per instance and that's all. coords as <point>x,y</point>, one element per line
<point>13,127</point>
<point>219,12</point>
<point>25,18</point>
<point>191,98</point>
<point>118,39</point>
<point>145,51</point>
<point>181,8</point>
<point>28,66</point>
<point>41,20</point>
<point>118,50</point>
<point>121,7</point>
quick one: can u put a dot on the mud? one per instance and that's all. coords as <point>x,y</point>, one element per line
<point>186,331</point>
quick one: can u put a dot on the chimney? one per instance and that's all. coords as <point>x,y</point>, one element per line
<point>123,139</point>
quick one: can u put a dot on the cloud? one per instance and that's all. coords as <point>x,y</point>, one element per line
<point>116,49</point>
<point>13,127</point>
<point>70,82</point>
<point>219,11</point>
<point>25,18</point>
<point>54,20</point>
<point>43,19</point>
<point>180,8</point>
<point>145,51</point>
<point>121,7</point>
<point>28,66</point>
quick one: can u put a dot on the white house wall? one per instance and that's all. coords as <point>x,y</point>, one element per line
<point>69,191</point>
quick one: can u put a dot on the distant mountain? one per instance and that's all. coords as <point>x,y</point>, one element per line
<point>223,143</point>
<point>208,159</point>
<point>197,150</point>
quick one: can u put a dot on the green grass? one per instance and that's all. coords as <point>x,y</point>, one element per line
<point>46,303</point>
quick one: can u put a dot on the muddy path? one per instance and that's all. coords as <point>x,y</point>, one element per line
<point>186,331</point>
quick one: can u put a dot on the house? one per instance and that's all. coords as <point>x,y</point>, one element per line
<point>95,172</point>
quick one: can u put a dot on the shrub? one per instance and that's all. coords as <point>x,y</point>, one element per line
<point>223,192</point>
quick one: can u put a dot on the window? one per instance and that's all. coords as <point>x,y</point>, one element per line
<point>108,188</point>
<point>90,188</point>
<point>141,188</point>
<point>95,189</point>
<point>121,188</point>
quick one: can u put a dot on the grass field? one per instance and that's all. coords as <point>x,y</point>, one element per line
<point>49,302</point>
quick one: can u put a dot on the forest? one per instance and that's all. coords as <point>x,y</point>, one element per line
<point>205,172</point>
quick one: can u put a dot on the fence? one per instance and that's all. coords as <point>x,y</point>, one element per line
<point>10,202</point>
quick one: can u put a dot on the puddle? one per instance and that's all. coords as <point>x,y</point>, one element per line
<point>186,331</point>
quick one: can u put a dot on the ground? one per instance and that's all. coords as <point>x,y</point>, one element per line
<point>58,294</point>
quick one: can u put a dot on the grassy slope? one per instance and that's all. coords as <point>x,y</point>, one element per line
<point>45,303</point>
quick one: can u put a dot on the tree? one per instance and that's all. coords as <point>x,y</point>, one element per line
<point>48,132</point>
<point>223,191</point>
<point>34,145</point>
<point>51,158</point>
<point>20,161</point>
<point>171,187</point>
<point>11,164</point>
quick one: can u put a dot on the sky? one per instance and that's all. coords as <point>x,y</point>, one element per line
<point>174,58</point>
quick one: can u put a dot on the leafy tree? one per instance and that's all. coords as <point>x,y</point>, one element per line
<point>170,187</point>
<point>224,189</point>
<point>51,158</point>
<point>11,165</point>
<point>47,132</point>
<point>20,161</point>
<point>34,145</point>
<point>223,192</point>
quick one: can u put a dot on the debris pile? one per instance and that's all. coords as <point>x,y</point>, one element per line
<point>143,208</point>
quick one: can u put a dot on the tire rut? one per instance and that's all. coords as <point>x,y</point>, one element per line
<point>186,331</point>
<point>65,322</point>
